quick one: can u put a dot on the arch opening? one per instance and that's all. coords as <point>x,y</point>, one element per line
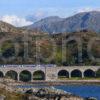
<point>63,74</point>
<point>25,76</point>
<point>11,74</point>
<point>89,73</point>
<point>76,73</point>
<point>98,73</point>
<point>1,74</point>
<point>38,75</point>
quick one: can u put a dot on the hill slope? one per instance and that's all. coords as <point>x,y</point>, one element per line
<point>8,28</point>
<point>85,20</point>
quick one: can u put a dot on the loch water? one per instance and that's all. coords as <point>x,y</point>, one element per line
<point>82,90</point>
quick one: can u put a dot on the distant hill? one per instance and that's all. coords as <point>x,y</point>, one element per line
<point>5,27</point>
<point>8,28</point>
<point>45,25</point>
<point>80,21</point>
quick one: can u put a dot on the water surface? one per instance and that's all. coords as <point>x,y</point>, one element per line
<point>82,90</point>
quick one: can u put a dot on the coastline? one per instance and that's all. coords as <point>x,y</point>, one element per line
<point>24,94</point>
<point>56,83</point>
<point>22,87</point>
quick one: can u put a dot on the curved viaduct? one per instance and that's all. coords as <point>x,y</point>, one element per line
<point>49,73</point>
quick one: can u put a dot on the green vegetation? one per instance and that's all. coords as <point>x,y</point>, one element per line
<point>79,78</point>
<point>16,50</point>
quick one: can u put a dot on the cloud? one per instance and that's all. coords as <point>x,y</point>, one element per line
<point>87,9</point>
<point>15,20</point>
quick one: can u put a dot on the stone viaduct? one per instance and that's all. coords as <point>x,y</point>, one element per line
<point>48,73</point>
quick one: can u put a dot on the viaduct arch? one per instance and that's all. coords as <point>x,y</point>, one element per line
<point>63,74</point>
<point>31,73</point>
<point>76,73</point>
<point>38,75</point>
<point>11,74</point>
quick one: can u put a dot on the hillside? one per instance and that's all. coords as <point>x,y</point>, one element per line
<point>80,21</point>
<point>39,47</point>
<point>7,28</point>
<point>16,48</point>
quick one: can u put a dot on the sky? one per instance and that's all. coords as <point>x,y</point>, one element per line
<point>25,12</point>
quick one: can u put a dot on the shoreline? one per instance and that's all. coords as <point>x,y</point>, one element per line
<point>35,93</point>
<point>56,83</point>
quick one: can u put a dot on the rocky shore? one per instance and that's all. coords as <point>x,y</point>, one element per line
<point>52,94</point>
<point>10,91</point>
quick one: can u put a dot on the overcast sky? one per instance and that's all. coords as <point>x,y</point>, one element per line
<point>18,12</point>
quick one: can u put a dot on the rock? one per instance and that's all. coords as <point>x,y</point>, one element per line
<point>29,91</point>
<point>2,97</point>
<point>90,98</point>
<point>41,93</point>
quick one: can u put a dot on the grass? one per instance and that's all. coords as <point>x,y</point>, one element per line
<point>79,78</point>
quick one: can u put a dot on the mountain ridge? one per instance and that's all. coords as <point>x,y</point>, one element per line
<point>54,24</point>
<point>8,28</point>
<point>77,22</point>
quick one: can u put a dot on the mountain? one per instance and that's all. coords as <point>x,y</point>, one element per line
<point>45,25</point>
<point>81,21</point>
<point>8,28</point>
<point>54,24</point>
<point>5,27</point>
